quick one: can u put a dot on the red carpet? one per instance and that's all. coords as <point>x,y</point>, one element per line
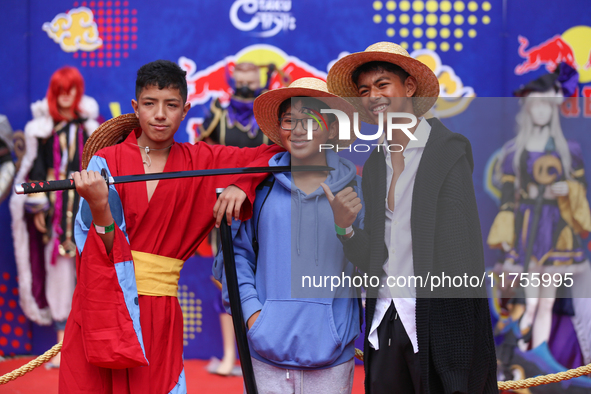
<point>198,380</point>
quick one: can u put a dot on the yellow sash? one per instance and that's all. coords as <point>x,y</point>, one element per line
<point>156,275</point>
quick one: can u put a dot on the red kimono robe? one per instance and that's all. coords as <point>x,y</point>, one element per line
<point>109,347</point>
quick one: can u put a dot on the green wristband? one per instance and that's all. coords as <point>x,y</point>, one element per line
<point>340,230</point>
<point>104,230</point>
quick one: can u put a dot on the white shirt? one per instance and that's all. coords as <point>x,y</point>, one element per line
<point>398,240</point>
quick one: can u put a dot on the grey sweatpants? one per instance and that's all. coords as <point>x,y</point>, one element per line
<point>273,380</point>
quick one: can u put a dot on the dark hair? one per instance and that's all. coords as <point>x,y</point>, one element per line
<point>310,102</point>
<point>161,73</point>
<point>379,66</point>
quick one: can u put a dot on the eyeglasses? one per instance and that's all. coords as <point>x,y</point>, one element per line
<point>288,123</point>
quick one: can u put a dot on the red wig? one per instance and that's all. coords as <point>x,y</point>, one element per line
<point>62,81</point>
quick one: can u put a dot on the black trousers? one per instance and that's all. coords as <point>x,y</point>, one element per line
<point>394,368</point>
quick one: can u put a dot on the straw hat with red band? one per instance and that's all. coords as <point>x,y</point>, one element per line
<point>112,132</point>
<point>266,106</point>
<point>340,81</point>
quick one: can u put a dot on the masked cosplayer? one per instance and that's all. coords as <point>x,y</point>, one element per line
<point>43,223</point>
<point>235,124</point>
<point>544,206</point>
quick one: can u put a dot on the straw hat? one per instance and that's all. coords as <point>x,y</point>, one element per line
<point>112,132</point>
<point>341,83</point>
<point>267,105</point>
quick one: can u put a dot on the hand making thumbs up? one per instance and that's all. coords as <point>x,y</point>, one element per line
<point>345,205</point>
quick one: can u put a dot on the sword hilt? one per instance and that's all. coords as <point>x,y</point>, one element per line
<point>105,176</point>
<point>51,186</point>
<point>44,186</point>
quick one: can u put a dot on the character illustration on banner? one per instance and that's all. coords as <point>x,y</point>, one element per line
<point>234,124</point>
<point>7,167</point>
<point>43,223</point>
<point>543,211</point>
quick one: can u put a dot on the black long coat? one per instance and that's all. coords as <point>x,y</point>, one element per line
<point>456,349</point>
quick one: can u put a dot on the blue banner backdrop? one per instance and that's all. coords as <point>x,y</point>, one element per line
<point>477,48</point>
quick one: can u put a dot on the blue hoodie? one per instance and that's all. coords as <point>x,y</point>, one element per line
<point>296,237</point>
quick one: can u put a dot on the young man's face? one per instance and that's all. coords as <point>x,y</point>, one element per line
<point>383,91</point>
<point>296,141</point>
<point>160,112</point>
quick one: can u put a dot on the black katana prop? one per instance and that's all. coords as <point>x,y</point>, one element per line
<point>66,184</point>
<point>236,306</point>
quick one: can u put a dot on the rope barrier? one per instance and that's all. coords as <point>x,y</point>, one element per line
<point>545,379</point>
<point>31,365</point>
<point>359,354</point>
<point>530,382</point>
<point>507,385</point>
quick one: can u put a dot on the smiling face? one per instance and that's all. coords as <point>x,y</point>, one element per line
<point>296,142</point>
<point>160,112</point>
<point>383,91</point>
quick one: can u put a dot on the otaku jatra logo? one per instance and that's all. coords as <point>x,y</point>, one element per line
<point>74,30</point>
<point>267,17</point>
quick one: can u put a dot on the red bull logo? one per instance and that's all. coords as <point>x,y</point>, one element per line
<point>208,83</point>
<point>549,53</point>
<point>572,47</point>
<point>212,82</point>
